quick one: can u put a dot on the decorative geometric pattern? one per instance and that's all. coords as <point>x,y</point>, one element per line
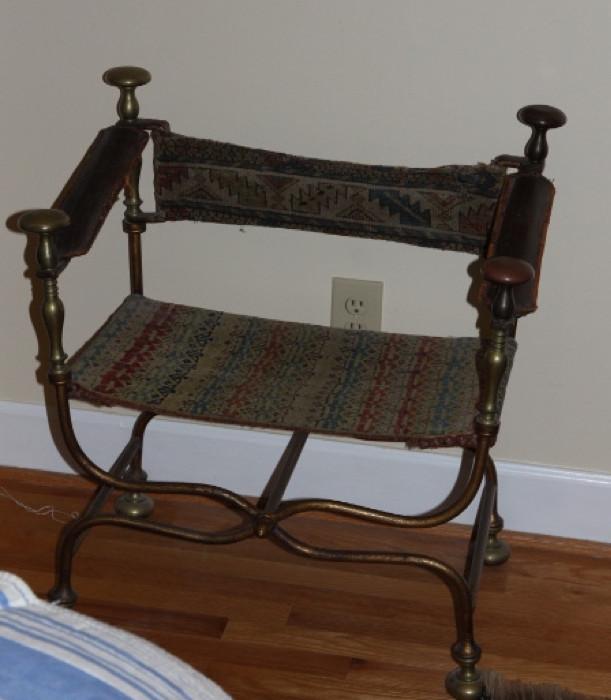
<point>214,366</point>
<point>450,207</point>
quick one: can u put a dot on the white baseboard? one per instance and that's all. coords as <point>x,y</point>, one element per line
<point>542,500</point>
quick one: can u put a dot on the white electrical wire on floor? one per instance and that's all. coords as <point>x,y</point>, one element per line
<point>60,516</point>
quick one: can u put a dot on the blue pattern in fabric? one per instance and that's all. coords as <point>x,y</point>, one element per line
<point>37,676</point>
<point>450,207</point>
<point>49,653</point>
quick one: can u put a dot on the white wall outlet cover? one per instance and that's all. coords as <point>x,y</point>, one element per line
<point>356,304</point>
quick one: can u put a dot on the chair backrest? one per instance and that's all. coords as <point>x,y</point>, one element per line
<point>450,207</point>
<point>476,209</point>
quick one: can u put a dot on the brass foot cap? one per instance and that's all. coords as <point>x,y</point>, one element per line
<point>134,505</point>
<point>62,595</point>
<point>464,690</point>
<point>497,552</point>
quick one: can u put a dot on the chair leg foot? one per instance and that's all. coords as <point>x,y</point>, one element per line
<point>62,592</point>
<point>63,595</point>
<point>465,682</point>
<point>497,551</point>
<point>460,689</point>
<point>134,505</point>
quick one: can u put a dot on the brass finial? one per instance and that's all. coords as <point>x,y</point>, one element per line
<point>127,79</point>
<point>540,118</point>
<point>43,221</point>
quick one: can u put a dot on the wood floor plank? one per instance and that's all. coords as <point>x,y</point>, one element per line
<point>271,626</point>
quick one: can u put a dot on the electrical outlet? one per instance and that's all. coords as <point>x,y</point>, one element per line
<point>356,304</point>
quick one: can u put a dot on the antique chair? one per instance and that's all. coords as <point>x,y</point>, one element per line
<point>166,359</point>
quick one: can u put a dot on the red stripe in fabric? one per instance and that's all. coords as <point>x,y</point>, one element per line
<point>423,357</point>
<point>269,355</point>
<point>140,351</point>
<point>378,392</point>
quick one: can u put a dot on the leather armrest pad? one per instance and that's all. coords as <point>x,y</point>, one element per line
<point>94,186</point>
<point>520,229</point>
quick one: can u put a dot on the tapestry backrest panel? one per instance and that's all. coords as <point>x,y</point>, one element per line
<point>450,207</point>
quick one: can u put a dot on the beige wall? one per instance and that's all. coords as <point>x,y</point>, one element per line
<point>393,81</point>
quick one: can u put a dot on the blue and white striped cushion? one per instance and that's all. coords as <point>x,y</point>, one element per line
<point>49,653</point>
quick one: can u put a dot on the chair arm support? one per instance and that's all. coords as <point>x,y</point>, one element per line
<point>47,224</point>
<point>505,273</point>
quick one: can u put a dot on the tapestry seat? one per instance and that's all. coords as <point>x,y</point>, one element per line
<point>210,365</point>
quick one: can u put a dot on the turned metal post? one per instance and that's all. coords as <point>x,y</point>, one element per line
<point>46,223</point>
<point>465,683</point>
<point>504,273</point>
<point>133,228</point>
<point>127,79</point>
<point>540,118</point>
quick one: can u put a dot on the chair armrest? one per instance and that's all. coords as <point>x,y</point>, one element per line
<point>95,185</point>
<point>46,224</point>
<point>520,231</point>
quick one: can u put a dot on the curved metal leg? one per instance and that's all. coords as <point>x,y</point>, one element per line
<point>133,504</point>
<point>497,550</point>
<point>72,535</point>
<point>62,592</point>
<point>464,682</point>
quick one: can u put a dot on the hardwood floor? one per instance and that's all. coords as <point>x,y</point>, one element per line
<point>267,625</point>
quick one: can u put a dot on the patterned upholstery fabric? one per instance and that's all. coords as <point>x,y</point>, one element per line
<point>450,207</point>
<point>196,363</point>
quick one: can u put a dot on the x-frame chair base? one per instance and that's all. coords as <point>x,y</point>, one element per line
<point>264,519</point>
